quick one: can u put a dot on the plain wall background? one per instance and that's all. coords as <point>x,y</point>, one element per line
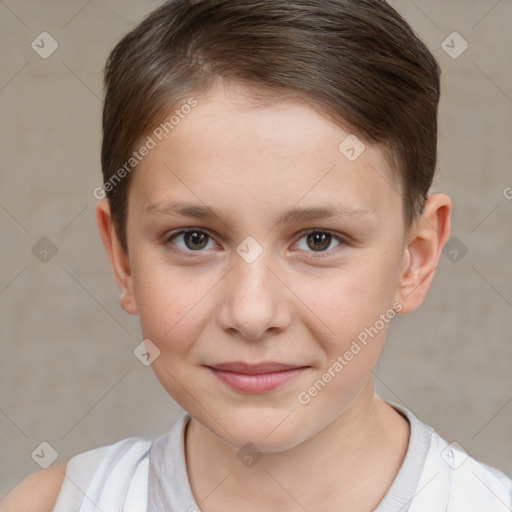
<point>68,375</point>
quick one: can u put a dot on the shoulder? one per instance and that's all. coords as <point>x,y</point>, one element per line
<point>473,485</point>
<point>59,487</point>
<point>447,478</point>
<point>104,473</point>
<point>477,486</point>
<point>37,492</point>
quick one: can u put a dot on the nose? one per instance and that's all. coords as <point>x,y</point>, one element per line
<point>254,301</point>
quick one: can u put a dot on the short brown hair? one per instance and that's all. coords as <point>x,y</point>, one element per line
<point>356,60</point>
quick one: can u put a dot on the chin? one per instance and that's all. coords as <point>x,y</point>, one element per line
<point>265,429</point>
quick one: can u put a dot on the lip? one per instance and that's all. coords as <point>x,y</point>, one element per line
<point>256,378</point>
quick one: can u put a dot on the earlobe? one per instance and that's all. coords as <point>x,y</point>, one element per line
<point>127,301</point>
<point>423,251</point>
<point>118,257</point>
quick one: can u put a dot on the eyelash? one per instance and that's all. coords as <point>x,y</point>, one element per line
<point>317,254</point>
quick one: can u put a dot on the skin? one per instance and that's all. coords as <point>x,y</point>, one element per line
<point>37,492</point>
<point>250,162</point>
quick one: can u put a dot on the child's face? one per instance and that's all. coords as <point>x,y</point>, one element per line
<point>203,304</point>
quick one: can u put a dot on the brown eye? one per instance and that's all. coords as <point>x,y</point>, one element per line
<point>319,241</point>
<point>195,240</point>
<point>191,240</point>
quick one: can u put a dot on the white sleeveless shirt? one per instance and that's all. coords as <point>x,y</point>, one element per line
<point>138,475</point>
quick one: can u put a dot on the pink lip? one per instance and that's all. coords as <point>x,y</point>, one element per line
<point>256,378</point>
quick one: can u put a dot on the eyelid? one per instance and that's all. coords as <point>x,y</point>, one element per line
<point>320,230</point>
<point>343,241</point>
<point>169,234</point>
<point>167,239</point>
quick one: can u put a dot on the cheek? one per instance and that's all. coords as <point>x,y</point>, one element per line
<point>171,316</point>
<point>346,301</point>
<point>357,310</point>
<point>170,304</point>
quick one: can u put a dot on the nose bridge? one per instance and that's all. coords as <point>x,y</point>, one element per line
<point>252,277</point>
<point>254,300</point>
<point>251,268</point>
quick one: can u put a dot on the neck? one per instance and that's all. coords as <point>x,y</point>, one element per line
<point>355,460</point>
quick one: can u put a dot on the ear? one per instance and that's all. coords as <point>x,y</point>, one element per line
<point>118,256</point>
<point>426,240</point>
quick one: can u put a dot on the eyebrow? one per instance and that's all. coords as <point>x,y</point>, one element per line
<point>201,211</point>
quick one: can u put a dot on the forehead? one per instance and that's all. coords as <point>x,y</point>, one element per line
<point>233,149</point>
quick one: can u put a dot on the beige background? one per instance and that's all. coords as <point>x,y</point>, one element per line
<point>68,375</point>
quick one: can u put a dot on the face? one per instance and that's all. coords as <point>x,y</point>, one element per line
<point>254,240</point>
